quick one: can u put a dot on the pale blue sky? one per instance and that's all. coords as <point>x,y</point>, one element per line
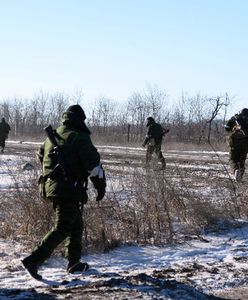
<point>114,47</point>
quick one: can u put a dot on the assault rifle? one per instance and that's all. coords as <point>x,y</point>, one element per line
<point>60,157</point>
<point>165,131</point>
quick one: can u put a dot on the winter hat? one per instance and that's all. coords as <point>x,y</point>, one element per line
<point>244,111</point>
<point>77,111</point>
<point>150,119</point>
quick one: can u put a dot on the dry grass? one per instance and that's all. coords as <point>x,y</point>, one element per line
<point>141,206</point>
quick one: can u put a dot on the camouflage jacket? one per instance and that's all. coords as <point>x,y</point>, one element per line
<point>237,126</point>
<point>155,131</point>
<point>80,158</point>
<point>4,129</point>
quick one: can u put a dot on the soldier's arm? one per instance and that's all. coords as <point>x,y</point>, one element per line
<point>41,153</point>
<point>149,133</point>
<point>91,159</point>
<point>148,136</point>
<point>164,130</point>
<point>230,124</point>
<point>145,141</point>
<point>89,156</point>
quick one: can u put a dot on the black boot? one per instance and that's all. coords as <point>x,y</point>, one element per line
<point>32,269</point>
<point>78,266</point>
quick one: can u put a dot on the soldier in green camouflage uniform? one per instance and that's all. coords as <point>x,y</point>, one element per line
<point>237,126</point>
<point>4,132</point>
<point>82,160</point>
<point>153,141</point>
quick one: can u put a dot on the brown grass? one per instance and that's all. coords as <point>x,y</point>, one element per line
<point>145,207</point>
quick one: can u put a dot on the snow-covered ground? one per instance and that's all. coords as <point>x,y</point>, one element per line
<point>217,262</point>
<point>211,264</point>
<point>12,169</point>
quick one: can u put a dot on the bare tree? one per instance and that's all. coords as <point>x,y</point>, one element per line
<point>156,100</point>
<point>5,110</point>
<point>138,110</point>
<point>58,103</point>
<point>216,105</point>
<point>18,116</point>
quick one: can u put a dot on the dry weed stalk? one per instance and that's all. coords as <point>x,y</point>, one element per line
<point>141,206</point>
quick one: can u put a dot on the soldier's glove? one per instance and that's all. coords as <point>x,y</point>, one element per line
<point>100,186</point>
<point>100,194</point>
<point>99,182</point>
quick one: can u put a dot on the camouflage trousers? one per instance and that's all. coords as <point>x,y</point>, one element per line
<point>2,143</point>
<point>68,227</point>
<point>237,153</point>
<point>157,150</point>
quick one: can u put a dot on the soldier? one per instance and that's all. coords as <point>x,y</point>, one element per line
<point>153,141</point>
<point>237,126</point>
<point>4,132</point>
<point>82,161</point>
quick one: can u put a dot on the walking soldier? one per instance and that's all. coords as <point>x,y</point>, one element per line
<point>63,178</point>
<point>153,141</point>
<point>4,132</point>
<point>237,126</point>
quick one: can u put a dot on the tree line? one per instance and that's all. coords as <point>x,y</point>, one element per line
<point>190,119</point>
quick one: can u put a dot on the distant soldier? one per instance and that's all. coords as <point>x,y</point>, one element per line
<point>4,132</point>
<point>153,141</point>
<point>237,126</point>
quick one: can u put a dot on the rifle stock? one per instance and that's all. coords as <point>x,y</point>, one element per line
<point>50,134</point>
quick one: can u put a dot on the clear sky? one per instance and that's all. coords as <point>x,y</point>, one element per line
<point>114,47</point>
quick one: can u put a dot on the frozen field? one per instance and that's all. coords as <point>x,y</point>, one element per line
<point>213,267</point>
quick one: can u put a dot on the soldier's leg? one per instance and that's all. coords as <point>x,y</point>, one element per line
<point>2,144</point>
<point>243,155</point>
<point>237,158</point>
<point>73,248</point>
<point>149,152</point>
<point>73,244</point>
<point>234,158</point>
<point>160,156</point>
<point>64,222</point>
